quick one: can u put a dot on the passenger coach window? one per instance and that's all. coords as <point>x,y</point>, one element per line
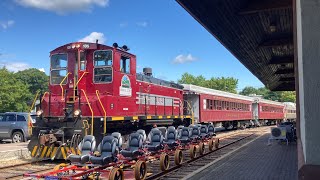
<point>102,66</point>
<point>58,68</point>
<point>125,64</point>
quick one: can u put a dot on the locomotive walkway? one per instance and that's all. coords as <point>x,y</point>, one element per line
<point>256,161</point>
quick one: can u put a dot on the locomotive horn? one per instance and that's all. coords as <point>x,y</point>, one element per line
<point>125,47</point>
<point>115,45</point>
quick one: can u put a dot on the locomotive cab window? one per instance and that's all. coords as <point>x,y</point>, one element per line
<point>102,66</point>
<point>125,64</point>
<point>83,61</point>
<point>58,68</point>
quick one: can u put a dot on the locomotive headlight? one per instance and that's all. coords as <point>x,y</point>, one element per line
<point>39,112</point>
<point>77,112</point>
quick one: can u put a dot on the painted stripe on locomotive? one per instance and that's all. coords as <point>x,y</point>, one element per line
<point>129,118</point>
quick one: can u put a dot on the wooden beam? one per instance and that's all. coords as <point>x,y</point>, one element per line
<point>274,42</point>
<point>255,6</point>
<point>285,86</point>
<point>284,71</point>
<point>281,60</point>
<point>287,79</point>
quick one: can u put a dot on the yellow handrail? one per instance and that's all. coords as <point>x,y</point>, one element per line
<point>44,94</point>
<point>34,101</point>
<point>192,114</point>
<point>85,126</point>
<point>30,125</point>
<point>105,113</point>
<point>61,85</point>
<point>85,95</point>
<point>76,84</point>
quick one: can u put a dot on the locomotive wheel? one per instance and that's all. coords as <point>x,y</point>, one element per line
<point>164,162</point>
<point>140,170</point>
<point>201,148</point>
<point>211,142</point>
<point>178,157</point>
<point>116,174</point>
<point>192,151</point>
<point>217,142</point>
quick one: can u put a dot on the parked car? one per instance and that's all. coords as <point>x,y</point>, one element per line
<point>16,126</point>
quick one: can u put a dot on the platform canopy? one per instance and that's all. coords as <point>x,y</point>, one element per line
<point>259,33</point>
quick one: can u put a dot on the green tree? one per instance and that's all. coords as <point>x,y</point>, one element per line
<point>228,84</point>
<point>14,94</point>
<point>281,96</point>
<point>187,78</point>
<point>35,79</point>
<point>273,95</point>
<point>288,96</point>
<point>249,90</point>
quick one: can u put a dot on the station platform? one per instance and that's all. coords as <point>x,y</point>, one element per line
<point>255,161</point>
<point>10,151</point>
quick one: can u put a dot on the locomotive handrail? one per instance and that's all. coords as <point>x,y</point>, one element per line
<point>105,113</point>
<point>34,101</point>
<point>44,94</point>
<point>85,95</point>
<point>76,84</point>
<point>61,85</point>
<point>30,125</point>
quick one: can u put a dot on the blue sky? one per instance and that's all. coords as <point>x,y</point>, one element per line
<point>160,33</point>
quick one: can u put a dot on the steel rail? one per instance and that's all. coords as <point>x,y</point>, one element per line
<point>163,173</point>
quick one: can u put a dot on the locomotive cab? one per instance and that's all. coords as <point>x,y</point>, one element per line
<point>79,69</point>
<point>87,81</point>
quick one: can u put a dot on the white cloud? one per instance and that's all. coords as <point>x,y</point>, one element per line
<point>42,70</point>
<point>6,24</point>
<point>63,6</point>
<point>123,24</point>
<point>93,37</point>
<point>14,66</point>
<point>181,59</point>
<point>142,24</point>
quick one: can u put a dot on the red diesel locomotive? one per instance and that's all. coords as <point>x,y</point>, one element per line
<point>95,89</point>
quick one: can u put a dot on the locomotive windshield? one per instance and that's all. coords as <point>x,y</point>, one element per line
<point>58,68</point>
<point>102,66</point>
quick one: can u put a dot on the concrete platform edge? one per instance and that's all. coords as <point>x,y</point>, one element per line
<point>218,159</point>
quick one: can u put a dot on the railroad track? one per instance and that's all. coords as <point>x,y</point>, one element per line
<point>17,171</point>
<point>228,143</point>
